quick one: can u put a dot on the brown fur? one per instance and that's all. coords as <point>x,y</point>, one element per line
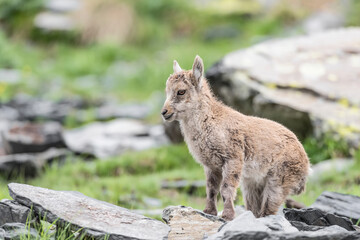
<point>263,157</point>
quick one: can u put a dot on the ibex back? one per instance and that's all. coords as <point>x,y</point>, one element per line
<point>263,157</point>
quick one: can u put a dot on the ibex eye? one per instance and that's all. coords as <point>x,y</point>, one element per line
<point>181,92</point>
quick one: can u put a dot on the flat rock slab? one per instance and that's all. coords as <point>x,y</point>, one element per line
<point>26,137</point>
<point>310,83</point>
<point>114,137</point>
<point>248,223</point>
<point>99,218</point>
<point>29,165</point>
<point>339,204</point>
<point>329,233</point>
<point>188,223</point>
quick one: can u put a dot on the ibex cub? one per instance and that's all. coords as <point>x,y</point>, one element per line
<point>263,157</point>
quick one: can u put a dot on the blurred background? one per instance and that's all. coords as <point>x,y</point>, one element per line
<point>82,84</point>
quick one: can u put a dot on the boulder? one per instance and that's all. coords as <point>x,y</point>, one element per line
<point>309,83</point>
<point>115,137</point>
<point>189,223</point>
<point>29,165</point>
<point>337,164</point>
<point>96,218</point>
<point>340,204</point>
<point>18,231</point>
<point>311,216</point>
<point>25,137</point>
<point>13,212</point>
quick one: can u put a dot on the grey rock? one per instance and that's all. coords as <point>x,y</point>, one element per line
<point>113,138</point>
<point>329,233</point>
<point>62,5</point>
<point>322,21</point>
<point>29,165</point>
<point>110,111</point>
<point>97,218</point>
<point>11,212</point>
<point>10,76</point>
<point>317,217</point>
<point>18,231</point>
<point>26,108</point>
<point>338,164</point>
<point>189,223</point>
<point>152,202</point>
<point>51,21</point>
<point>307,83</point>
<point>25,137</point>
<point>247,222</point>
<point>340,204</point>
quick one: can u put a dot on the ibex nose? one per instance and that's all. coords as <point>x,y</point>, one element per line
<point>164,112</point>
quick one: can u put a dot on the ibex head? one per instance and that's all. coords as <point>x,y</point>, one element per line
<point>183,91</point>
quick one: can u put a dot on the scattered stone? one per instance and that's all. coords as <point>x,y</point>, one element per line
<point>247,222</point>
<point>13,212</point>
<point>11,231</point>
<point>30,137</point>
<point>340,204</point>
<point>338,164</point>
<point>50,21</point>
<point>29,165</point>
<point>98,218</point>
<point>111,111</point>
<point>329,233</point>
<point>316,217</point>
<point>62,5</point>
<point>10,76</point>
<point>322,21</point>
<point>189,223</point>
<point>113,138</point>
<point>307,83</point>
<point>25,108</point>
<point>152,202</point>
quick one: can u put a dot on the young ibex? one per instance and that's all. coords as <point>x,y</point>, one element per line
<point>264,157</point>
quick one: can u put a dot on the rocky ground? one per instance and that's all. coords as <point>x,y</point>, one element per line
<point>32,132</point>
<point>332,216</point>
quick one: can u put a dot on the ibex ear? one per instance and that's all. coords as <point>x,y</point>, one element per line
<point>198,70</point>
<point>176,67</point>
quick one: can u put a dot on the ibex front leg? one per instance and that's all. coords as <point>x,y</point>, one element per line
<point>213,180</point>
<point>229,186</point>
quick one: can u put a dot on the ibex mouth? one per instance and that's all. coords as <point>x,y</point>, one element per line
<point>168,116</point>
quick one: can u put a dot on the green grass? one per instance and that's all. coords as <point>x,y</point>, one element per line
<point>127,179</point>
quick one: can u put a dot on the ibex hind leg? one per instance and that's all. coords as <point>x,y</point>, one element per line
<point>252,195</point>
<point>272,198</point>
